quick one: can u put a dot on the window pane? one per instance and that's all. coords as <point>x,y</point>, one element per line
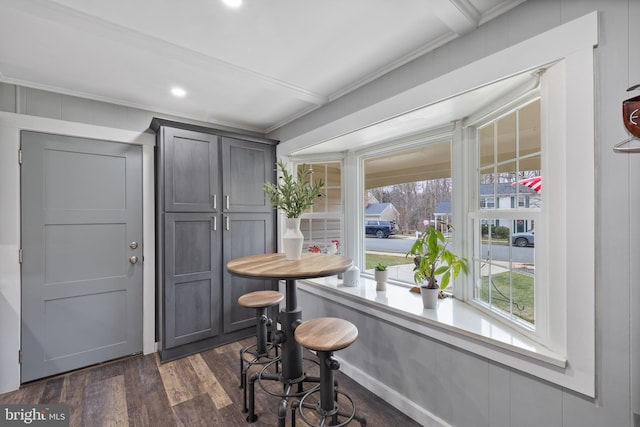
<point>506,141</point>
<point>515,156</point>
<point>320,234</point>
<point>331,197</point>
<point>505,267</point>
<point>529,129</point>
<point>503,259</point>
<point>404,193</point>
<point>486,143</point>
<point>333,200</point>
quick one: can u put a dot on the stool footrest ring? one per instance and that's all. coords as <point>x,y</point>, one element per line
<point>304,378</point>
<point>315,409</point>
<point>252,350</point>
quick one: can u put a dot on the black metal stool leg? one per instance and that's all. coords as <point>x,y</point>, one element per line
<point>252,417</point>
<point>327,409</point>
<point>294,406</point>
<point>262,321</point>
<point>242,378</point>
<point>327,393</point>
<point>282,409</point>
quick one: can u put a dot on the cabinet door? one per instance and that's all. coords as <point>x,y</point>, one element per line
<point>192,278</point>
<point>246,166</point>
<point>191,170</point>
<point>244,234</point>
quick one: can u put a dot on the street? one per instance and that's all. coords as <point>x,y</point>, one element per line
<point>402,245</point>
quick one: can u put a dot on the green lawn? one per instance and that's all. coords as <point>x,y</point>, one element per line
<point>373,258</point>
<point>523,293</point>
<point>523,286</point>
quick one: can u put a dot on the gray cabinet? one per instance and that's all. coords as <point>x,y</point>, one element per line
<point>191,184</point>
<point>210,209</point>
<point>247,167</point>
<point>191,259</point>
<point>244,234</point>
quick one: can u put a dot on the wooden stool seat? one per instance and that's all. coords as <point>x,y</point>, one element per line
<point>326,334</point>
<point>260,299</point>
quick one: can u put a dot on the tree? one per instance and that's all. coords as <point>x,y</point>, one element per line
<point>414,201</point>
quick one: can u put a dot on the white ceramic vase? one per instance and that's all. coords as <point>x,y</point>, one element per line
<point>351,276</point>
<point>429,297</point>
<point>292,239</point>
<point>381,279</point>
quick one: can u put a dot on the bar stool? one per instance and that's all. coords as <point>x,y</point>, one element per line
<point>260,352</point>
<point>325,335</point>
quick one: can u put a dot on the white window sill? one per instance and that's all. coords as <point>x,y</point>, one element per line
<point>453,322</point>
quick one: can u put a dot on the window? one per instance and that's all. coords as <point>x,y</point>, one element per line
<point>508,153</point>
<point>321,225</point>
<point>563,223</point>
<point>406,191</point>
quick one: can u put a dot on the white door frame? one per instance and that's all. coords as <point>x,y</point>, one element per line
<point>10,283</point>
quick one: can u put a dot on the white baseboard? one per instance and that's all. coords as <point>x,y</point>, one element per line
<point>391,396</point>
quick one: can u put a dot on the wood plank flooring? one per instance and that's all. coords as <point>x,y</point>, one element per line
<point>199,390</point>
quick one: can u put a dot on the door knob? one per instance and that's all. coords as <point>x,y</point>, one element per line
<point>133,259</point>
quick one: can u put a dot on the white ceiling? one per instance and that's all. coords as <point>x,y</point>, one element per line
<point>255,68</point>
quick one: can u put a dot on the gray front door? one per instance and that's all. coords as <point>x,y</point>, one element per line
<point>81,288</point>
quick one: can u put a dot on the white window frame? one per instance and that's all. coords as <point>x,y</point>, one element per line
<point>337,215</point>
<point>538,331</point>
<point>437,136</point>
<point>572,44</point>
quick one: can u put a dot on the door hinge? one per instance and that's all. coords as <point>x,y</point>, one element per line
<point>20,256</point>
<point>20,356</point>
<point>20,156</point>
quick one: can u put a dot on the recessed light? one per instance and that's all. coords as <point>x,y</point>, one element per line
<point>233,3</point>
<point>178,91</point>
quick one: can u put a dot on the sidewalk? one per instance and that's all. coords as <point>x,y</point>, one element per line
<point>404,272</point>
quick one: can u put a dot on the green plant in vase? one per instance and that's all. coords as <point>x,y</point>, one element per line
<point>381,274</point>
<point>293,197</point>
<point>432,259</point>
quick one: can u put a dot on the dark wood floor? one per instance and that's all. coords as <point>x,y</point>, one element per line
<point>199,390</point>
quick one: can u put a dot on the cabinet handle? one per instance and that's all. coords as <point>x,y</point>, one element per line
<point>214,223</point>
<point>226,218</point>
<point>214,201</point>
<point>226,201</point>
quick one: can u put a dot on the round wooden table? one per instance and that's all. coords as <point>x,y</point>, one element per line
<point>276,266</point>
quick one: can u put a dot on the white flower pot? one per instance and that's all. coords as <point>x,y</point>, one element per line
<point>381,279</point>
<point>292,239</point>
<point>429,297</point>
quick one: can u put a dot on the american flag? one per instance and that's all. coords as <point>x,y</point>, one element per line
<point>534,183</point>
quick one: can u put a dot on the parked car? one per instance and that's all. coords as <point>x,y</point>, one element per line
<point>379,228</point>
<point>523,239</point>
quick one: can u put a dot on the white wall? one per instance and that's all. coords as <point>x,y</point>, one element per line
<point>457,387</point>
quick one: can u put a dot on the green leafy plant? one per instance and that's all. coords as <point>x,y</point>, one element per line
<point>381,267</point>
<point>432,258</point>
<point>293,196</point>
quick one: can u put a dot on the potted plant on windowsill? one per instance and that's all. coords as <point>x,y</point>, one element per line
<point>381,273</point>
<point>431,259</point>
<point>293,197</point>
